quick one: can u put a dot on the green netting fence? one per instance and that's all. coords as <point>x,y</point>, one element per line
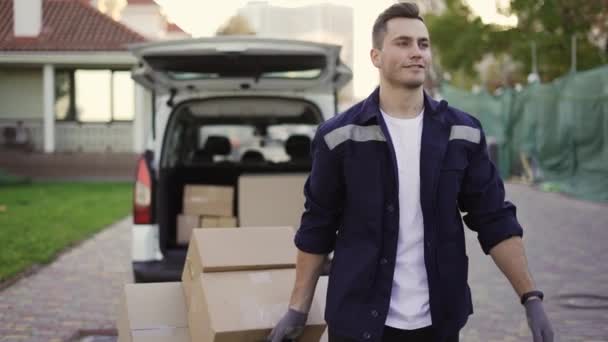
<point>554,134</point>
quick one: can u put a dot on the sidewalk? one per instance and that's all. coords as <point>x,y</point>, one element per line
<point>78,291</point>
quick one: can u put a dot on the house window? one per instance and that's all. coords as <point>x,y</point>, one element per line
<point>123,90</point>
<point>64,107</point>
<point>93,95</point>
<point>87,95</point>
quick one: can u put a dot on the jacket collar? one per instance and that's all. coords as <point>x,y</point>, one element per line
<point>371,106</point>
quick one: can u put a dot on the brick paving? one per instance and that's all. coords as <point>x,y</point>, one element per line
<point>79,291</point>
<point>566,245</point>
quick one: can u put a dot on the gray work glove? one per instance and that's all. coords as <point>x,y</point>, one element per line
<point>538,321</point>
<point>289,327</point>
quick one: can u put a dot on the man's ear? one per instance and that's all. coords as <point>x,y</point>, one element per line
<point>376,57</point>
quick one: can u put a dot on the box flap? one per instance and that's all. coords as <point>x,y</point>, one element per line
<point>154,312</point>
<point>156,306</point>
<point>246,248</point>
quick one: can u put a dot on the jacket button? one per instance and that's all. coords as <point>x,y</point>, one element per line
<point>390,208</point>
<point>374,313</point>
<point>383,261</point>
<point>367,335</point>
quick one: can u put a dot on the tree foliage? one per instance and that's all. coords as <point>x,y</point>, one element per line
<point>236,25</point>
<point>461,39</point>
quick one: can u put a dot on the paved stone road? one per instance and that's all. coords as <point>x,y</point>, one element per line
<point>566,245</point>
<point>77,291</point>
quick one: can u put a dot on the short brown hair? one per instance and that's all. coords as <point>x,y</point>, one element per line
<point>399,10</point>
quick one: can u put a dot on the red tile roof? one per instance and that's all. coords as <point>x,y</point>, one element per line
<point>172,27</point>
<point>141,2</point>
<point>67,25</point>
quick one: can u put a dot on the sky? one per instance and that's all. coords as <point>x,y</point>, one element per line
<point>192,17</point>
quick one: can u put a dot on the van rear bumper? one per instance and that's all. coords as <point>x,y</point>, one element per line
<point>166,270</point>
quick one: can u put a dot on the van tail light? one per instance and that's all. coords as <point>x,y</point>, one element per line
<point>142,193</point>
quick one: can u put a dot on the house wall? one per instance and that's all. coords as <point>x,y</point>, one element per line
<point>21,94</point>
<point>94,137</point>
<point>21,98</point>
<point>80,137</point>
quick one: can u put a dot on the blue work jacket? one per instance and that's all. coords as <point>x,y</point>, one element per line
<point>352,209</point>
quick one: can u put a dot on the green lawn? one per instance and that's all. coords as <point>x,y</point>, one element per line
<point>39,220</point>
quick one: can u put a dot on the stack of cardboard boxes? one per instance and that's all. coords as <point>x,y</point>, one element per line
<point>205,206</point>
<point>224,296</point>
<point>236,283</point>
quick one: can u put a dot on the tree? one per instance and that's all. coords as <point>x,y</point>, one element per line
<point>111,7</point>
<point>461,40</point>
<point>236,25</point>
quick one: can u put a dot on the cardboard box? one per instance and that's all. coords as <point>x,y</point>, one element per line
<point>229,249</point>
<point>244,306</point>
<point>217,222</point>
<point>208,222</point>
<point>209,200</point>
<point>185,224</point>
<point>153,312</point>
<point>227,222</point>
<point>271,200</point>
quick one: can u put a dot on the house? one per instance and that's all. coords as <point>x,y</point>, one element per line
<point>65,73</point>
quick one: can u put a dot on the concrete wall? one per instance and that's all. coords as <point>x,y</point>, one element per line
<point>21,94</point>
<point>113,137</point>
<point>27,18</point>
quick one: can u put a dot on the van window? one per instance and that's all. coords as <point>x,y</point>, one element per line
<point>239,130</point>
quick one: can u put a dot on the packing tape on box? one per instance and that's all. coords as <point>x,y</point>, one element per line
<point>160,330</point>
<point>255,314</point>
<point>260,278</point>
<point>199,199</point>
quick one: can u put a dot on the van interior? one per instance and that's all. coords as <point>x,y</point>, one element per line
<point>215,141</point>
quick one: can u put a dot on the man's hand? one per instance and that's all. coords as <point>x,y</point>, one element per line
<point>289,327</point>
<point>538,321</point>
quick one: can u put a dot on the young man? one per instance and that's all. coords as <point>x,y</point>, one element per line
<point>388,179</point>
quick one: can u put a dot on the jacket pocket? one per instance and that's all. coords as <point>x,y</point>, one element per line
<point>453,266</point>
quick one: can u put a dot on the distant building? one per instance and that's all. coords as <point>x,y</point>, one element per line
<point>323,23</point>
<point>431,6</point>
<point>145,17</point>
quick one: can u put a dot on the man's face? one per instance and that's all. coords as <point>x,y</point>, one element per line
<point>405,55</point>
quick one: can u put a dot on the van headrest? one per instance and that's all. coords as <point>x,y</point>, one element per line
<point>217,145</point>
<point>297,146</point>
<point>253,156</point>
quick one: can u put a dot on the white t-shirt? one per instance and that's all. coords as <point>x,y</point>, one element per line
<point>409,306</point>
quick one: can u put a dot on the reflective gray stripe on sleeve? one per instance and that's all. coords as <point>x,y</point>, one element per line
<point>466,133</point>
<point>354,133</point>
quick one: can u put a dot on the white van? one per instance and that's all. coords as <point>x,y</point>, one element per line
<point>223,107</point>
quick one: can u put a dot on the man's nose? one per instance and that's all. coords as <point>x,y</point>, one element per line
<point>415,52</point>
